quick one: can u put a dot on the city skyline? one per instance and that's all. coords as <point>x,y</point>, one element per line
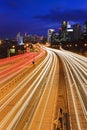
<point>36,17</point>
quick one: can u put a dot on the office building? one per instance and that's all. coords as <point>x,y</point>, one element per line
<point>77,31</point>
<point>50,32</point>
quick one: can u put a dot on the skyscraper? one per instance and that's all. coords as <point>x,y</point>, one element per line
<point>19,39</point>
<point>77,31</point>
<point>64,30</point>
<point>85,27</point>
<point>50,32</point>
<point>69,31</point>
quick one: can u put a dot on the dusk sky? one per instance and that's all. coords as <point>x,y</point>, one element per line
<point>37,16</point>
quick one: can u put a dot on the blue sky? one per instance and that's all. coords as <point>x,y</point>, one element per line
<point>37,16</point>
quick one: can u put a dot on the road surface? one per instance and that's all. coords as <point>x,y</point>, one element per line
<point>50,94</point>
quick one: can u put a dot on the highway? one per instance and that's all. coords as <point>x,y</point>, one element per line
<point>20,97</point>
<point>75,70</point>
<point>9,66</point>
<point>31,95</point>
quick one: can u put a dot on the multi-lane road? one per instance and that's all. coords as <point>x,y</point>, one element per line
<point>75,70</point>
<point>22,89</point>
<point>29,93</point>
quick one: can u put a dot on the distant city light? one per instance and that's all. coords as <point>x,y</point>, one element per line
<point>59,28</point>
<point>68,25</point>
<point>0,42</point>
<point>19,39</point>
<point>69,30</point>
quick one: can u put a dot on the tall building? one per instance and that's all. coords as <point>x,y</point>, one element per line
<point>84,35</point>
<point>69,31</point>
<point>64,30</point>
<point>85,27</point>
<point>50,32</point>
<point>77,31</point>
<point>19,39</point>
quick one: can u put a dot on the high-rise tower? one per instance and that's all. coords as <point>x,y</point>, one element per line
<point>50,32</point>
<point>77,31</point>
<point>85,27</point>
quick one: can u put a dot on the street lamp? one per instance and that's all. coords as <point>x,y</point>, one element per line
<point>13,46</point>
<point>0,42</point>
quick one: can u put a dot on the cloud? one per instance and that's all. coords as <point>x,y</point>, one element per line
<point>61,15</point>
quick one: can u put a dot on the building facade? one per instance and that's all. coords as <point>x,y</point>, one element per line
<point>77,31</point>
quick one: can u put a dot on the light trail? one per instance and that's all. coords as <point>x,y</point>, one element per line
<point>25,98</point>
<point>28,95</point>
<point>52,73</point>
<point>36,84</point>
<point>22,84</point>
<point>76,71</point>
<point>18,66</point>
